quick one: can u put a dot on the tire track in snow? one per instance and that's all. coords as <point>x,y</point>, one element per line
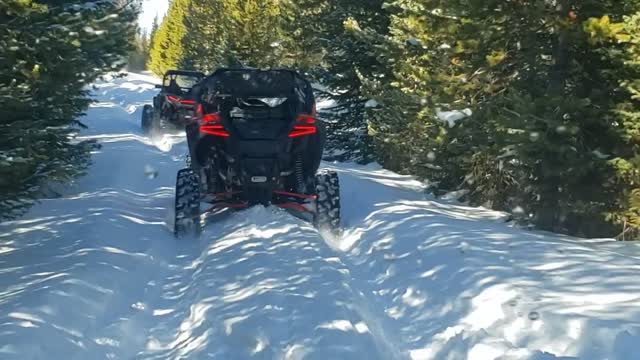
<point>386,342</point>
<point>186,309</point>
<point>263,285</point>
<point>260,284</point>
<point>373,317</point>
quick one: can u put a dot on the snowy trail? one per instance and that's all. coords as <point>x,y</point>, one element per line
<point>96,274</point>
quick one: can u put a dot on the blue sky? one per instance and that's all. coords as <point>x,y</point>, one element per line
<point>149,10</point>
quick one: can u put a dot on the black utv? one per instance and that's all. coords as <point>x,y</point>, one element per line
<point>173,107</point>
<point>256,141</point>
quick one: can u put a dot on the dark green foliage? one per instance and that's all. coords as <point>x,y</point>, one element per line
<point>552,88</point>
<point>49,52</point>
<point>330,30</point>
<point>205,35</point>
<point>552,100</point>
<point>167,45</point>
<point>206,20</point>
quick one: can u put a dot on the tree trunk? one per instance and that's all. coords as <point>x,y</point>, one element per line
<point>561,54</point>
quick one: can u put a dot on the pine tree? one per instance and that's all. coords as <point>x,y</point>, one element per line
<point>543,81</point>
<point>207,26</point>
<point>328,30</point>
<point>50,51</point>
<point>256,37</point>
<point>139,56</point>
<point>625,158</point>
<point>154,29</point>
<point>167,51</point>
<point>144,46</point>
<point>233,32</point>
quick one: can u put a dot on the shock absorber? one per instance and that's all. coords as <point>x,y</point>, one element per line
<point>300,175</point>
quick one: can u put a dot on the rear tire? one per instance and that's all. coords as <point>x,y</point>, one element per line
<point>147,119</point>
<point>327,216</point>
<point>187,204</point>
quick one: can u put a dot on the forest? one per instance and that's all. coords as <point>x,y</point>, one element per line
<point>525,106</point>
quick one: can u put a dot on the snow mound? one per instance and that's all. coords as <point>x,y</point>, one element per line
<point>451,118</point>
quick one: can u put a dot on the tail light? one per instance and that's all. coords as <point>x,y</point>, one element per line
<point>212,124</point>
<point>213,118</point>
<point>305,125</point>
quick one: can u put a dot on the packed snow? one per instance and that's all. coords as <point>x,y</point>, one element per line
<point>451,118</point>
<point>97,274</point>
<point>372,103</point>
